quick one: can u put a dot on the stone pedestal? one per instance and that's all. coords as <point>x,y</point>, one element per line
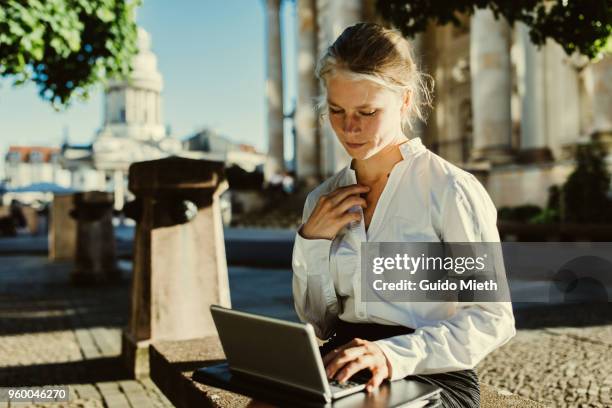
<point>179,255</point>
<point>95,257</point>
<point>535,155</point>
<point>62,228</point>
<point>515,185</point>
<point>31,219</point>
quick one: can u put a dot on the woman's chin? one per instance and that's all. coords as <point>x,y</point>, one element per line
<point>361,154</point>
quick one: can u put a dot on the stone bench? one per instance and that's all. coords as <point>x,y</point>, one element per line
<point>173,363</point>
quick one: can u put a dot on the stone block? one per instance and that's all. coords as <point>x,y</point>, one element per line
<point>62,228</point>
<point>179,254</point>
<point>95,257</point>
<point>173,364</point>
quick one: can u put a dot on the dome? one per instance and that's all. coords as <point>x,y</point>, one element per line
<point>133,106</point>
<point>145,73</point>
<point>144,40</point>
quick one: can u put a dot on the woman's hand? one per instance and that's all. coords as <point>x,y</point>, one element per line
<point>344,362</point>
<point>331,212</point>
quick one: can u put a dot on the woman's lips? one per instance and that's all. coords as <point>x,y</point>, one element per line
<point>354,145</point>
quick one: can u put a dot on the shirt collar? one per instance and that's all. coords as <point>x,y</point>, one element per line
<point>407,150</point>
<point>411,147</point>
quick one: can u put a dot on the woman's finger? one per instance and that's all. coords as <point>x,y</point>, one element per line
<point>349,217</point>
<point>378,377</point>
<point>340,194</point>
<point>347,355</point>
<point>331,355</point>
<point>350,202</point>
<point>355,342</point>
<point>358,364</point>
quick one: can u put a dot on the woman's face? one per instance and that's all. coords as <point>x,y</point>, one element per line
<point>365,116</point>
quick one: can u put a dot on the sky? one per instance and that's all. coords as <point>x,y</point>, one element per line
<point>212,57</point>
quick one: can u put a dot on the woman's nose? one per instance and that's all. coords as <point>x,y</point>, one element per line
<point>351,124</point>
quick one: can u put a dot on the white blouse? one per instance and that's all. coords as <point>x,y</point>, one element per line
<point>426,199</point>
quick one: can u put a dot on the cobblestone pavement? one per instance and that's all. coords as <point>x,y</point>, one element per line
<point>54,333</point>
<point>561,356</point>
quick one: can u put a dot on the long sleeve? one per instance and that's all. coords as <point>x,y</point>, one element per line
<point>313,289</point>
<point>460,342</point>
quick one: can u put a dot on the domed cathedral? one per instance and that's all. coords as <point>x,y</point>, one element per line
<point>132,129</point>
<point>503,109</point>
<point>132,108</point>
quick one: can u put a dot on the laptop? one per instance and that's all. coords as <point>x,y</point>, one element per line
<point>286,354</point>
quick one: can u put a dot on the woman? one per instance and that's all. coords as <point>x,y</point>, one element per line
<point>395,189</point>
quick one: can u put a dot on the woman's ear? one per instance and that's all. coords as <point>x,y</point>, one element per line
<point>405,103</point>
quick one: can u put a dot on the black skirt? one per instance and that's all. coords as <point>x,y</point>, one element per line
<point>460,389</point>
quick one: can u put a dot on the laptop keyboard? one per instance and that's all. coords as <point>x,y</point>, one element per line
<point>345,385</point>
<point>357,379</point>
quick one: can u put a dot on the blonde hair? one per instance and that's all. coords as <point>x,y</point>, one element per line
<point>372,52</point>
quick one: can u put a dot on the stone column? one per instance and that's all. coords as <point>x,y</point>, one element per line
<point>332,18</point>
<point>274,90</point>
<point>563,98</point>
<point>532,89</point>
<point>119,188</point>
<point>95,259</point>
<point>179,254</point>
<point>418,47</point>
<point>491,87</point>
<point>550,111</point>
<point>344,13</point>
<point>308,144</point>
<point>62,228</point>
<point>598,78</point>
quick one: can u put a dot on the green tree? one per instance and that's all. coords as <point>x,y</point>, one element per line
<point>585,193</point>
<point>577,25</point>
<point>66,46</point>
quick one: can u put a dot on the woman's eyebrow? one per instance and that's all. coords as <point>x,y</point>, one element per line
<point>365,105</point>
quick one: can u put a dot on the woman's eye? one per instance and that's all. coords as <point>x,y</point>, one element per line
<point>370,113</point>
<point>335,111</point>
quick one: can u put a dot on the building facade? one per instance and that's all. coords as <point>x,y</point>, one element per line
<point>504,109</point>
<point>132,129</point>
<point>207,144</point>
<point>30,165</point>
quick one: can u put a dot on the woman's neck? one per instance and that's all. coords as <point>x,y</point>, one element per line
<point>378,167</point>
